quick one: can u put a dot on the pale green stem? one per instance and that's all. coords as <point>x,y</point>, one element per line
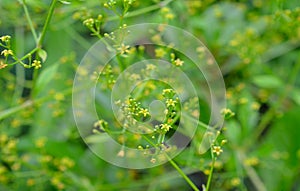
<point>252,174</point>
<point>30,22</point>
<point>8,112</point>
<point>20,72</point>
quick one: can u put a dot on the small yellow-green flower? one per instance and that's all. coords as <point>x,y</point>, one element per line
<point>252,161</point>
<point>135,77</point>
<point>11,144</point>
<point>235,182</point>
<point>30,182</point>
<point>5,38</point>
<point>167,91</point>
<point>223,142</point>
<point>123,49</point>
<point>170,16</point>
<point>144,112</point>
<point>217,149</point>
<point>165,127</point>
<point>227,113</point>
<point>7,52</point>
<point>159,52</point>
<point>170,102</point>
<point>178,62</point>
<point>165,10</point>
<point>89,22</point>
<point>40,142</point>
<point>36,64</point>
<point>150,67</point>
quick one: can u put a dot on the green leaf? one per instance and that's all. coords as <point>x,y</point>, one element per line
<point>45,77</point>
<point>42,54</point>
<point>267,81</point>
<point>295,95</point>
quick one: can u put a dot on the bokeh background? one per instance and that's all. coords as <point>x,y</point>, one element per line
<point>256,44</point>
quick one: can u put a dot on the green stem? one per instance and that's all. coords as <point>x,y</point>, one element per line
<point>186,178</point>
<point>46,25</point>
<point>8,112</point>
<point>30,22</point>
<point>77,37</point>
<point>200,123</point>
<point>20,72</point>
<point>41,39</point>
<point>210,172</point>
<point>142,11</point>
<point>120,63</point>
<point>255,179</point>
<point>16,109</point>
<point>24,57</point>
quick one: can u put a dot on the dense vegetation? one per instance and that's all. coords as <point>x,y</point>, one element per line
<point>45,50</point>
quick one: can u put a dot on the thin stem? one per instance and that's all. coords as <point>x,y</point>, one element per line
<point>77,37</point>
<point>200,123</point>
<point>24,57</point>
<point>142,11</point>
<point>211,171</point>
<point>186,178</point>
<point>16,109</point>
<point>46,25</point>
<point>30,22</point>
<point>40,42</point>
<point>6,113</point>
<point>20,73</point>
<point>120,63</point>
<point>255,179</point>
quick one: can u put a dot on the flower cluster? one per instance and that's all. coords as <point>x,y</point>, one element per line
<point>177,61</point>
<point>9,54</point>
<point>9,156</point>
<point>110,4</point>
<point>5,43</point>
<point>132,109</point>
<point>167,13</point>
<point>36,64</point>
<point>94,24</point>
<point>107,77</point>
<point>227,113</point>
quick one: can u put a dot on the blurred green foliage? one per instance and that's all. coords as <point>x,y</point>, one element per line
<point>256,44</point>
